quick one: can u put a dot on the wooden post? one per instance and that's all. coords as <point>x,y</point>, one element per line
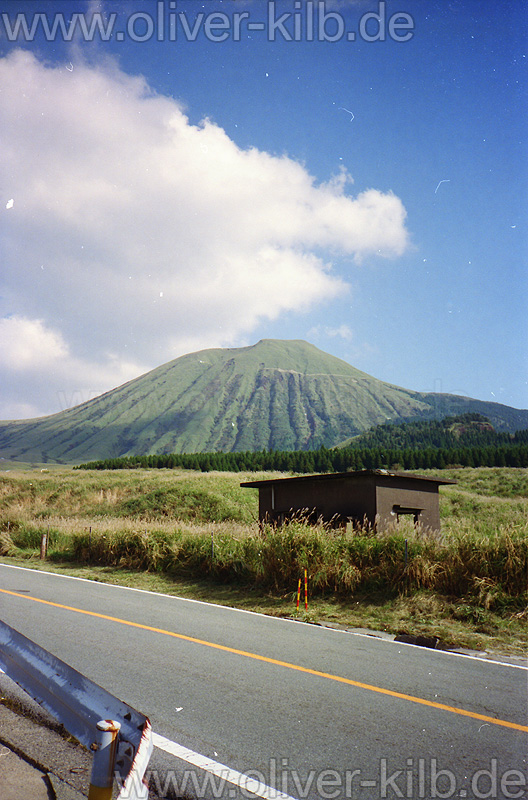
<point>44,545</point>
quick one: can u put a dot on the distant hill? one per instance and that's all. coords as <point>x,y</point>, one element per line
<point>465,430</point>
<point>283,395</point>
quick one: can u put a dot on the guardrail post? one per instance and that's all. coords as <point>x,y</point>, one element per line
<point>105,747</point>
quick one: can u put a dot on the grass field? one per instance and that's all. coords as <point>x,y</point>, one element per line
<point>196,535</point>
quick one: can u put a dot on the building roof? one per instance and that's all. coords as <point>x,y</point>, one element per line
<point>358,474</point>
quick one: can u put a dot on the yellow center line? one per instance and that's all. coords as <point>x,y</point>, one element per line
<point>369,687</point>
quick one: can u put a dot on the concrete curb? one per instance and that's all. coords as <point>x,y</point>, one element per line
<point>20,779</point>
<point>38,759</point>
<point>38,750</point>
<point>41,758</point>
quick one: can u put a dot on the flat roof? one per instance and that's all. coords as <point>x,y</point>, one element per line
<point>358,474</point>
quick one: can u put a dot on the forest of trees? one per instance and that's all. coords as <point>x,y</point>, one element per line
<point>467,440</point>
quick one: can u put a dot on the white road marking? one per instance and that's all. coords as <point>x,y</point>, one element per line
<point>244,782</point>
<point>372,637</point>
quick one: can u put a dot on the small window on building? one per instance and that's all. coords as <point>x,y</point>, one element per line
<point>405,511</point>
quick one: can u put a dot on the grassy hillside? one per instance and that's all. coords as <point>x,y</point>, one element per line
<point>197,534</point>
<point>468,440</point>
<point>464,430</point>
<point>284,395</point>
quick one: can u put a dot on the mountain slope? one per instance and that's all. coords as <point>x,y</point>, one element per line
<point>464,431</point>
<point>275,394</point>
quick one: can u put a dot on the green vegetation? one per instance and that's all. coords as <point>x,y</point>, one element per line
<point>196,534</point>
<point>468,440</point>
<point>463,430</point>
<point>275,395</point>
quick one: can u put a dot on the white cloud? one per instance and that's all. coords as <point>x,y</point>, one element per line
<point>26,344</point>
<point>35,362</point>
<point>342,332</point>
<point>134,236</point>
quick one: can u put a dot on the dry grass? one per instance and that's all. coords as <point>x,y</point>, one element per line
<point>187,527</point>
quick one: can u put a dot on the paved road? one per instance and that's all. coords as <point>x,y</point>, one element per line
<point>309,711</point>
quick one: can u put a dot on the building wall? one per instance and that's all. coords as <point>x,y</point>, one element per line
<point>404,496</point>
<point>377,499</point>
<point>322,499</point>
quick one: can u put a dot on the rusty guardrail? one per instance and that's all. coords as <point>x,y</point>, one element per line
<point>119,736</point>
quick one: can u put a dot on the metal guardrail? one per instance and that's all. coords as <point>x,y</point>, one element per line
<point>119,736</point>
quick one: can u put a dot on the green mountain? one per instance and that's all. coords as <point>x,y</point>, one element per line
<point>465,430</point>
<point>284,395</point>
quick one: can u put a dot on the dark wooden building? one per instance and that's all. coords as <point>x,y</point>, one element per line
<point>375,497</point>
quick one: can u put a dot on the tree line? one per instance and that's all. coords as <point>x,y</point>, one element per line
<point>471,447</point>
<point>464,430</point>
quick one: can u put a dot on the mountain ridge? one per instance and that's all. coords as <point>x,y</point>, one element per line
<point>275,394</point>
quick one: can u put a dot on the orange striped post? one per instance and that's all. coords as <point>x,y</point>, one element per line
<point>298,594</point>
<point>305,590</point>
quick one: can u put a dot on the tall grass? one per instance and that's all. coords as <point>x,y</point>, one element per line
<point>492,571</point>
<point>141,494</point>
<point>190,525</point>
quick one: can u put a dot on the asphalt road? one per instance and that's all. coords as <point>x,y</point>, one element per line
<point>305,710</point>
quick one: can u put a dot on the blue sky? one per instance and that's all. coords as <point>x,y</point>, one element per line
<point>368,196</point>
